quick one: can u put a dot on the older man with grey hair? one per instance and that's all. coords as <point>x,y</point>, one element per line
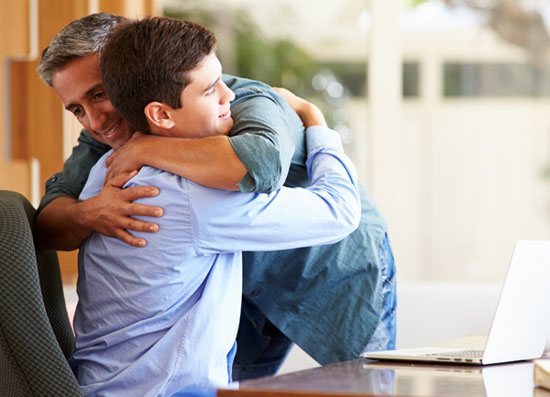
<point>334,301</point>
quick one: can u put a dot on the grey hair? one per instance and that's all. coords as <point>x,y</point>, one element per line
<point>79,38</point>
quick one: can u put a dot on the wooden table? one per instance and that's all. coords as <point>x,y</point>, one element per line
<point>363,377</point>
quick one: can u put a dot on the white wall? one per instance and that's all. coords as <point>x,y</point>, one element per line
<point>459,180</point>
<point>471,185</point>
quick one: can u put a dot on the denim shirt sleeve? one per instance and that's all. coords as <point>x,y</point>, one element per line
<point>70,181</point>
<point>265,135</point>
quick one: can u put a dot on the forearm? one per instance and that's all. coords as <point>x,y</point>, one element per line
<point>61,225</point>
<point>210,161</point>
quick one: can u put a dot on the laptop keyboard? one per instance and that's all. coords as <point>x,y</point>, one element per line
<point>461,353</point>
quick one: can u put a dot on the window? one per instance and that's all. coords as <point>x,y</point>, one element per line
<point>495,80</point>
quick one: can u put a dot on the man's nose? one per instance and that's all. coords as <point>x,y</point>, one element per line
<point>227,94</point>
<point>96,118</point>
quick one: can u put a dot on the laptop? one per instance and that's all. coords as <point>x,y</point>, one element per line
<point>521,323</point>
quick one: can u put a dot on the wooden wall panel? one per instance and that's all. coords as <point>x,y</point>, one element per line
<point>129,8</point>
<point>116,7</point>
<point>44,118</point>
<point>53,15</point>
<point>151,7</point>
<point>36,113</point>
<point>14,26</point>
<point>14,42</point>
<point>19,128</point>
<point>3,105</point>
<point>15,175</point>
<point>37,120</point>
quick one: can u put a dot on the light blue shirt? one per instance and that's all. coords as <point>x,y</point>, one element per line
<point>292,288</point>
<point>155,320</point>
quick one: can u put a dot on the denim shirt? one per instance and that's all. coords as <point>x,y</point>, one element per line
<point>326,299</point>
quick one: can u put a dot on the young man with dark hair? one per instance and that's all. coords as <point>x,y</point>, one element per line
<point>163,54</point>
<point>334,301</point>
<point>157,320</point>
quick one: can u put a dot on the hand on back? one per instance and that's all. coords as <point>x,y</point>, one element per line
<point>111,211</point>
<point>309,113</point>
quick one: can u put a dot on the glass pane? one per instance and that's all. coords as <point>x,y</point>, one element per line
<point>478,138</point>
<point>495,80</point>
<point>461,170</point>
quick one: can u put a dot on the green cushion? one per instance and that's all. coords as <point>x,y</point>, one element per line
<point>35,333</point>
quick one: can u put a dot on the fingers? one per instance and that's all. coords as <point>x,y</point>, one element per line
<point>292,99</point>
<point>309,113</point>
<point>137,192</point>
<point>295,102</point>
<point>131,240</point>
<point>141,226</point>
<point>283,91</point>
<point>132,224</point>
<point>113,213</point>
<point>122,227</point>
<point>118,180</point>
<point>144,210</point>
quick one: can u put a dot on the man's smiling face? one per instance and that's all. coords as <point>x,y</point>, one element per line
<point>80,87</point>
<point>205,101</point>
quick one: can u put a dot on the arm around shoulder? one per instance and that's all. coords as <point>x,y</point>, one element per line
<point>209,161</point>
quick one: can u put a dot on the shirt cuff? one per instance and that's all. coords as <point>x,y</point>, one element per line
<point>318,137</point>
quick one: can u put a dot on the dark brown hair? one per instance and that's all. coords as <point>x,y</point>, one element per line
<point>148,60</point>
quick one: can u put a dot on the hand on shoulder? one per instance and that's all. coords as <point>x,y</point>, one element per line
<point>309,113</point>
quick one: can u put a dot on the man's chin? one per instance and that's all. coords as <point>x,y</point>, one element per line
<point>120,140</point>
<point>228,127</point>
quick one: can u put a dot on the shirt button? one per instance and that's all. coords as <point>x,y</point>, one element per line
<point>255,294</point>
<point>254,324</point>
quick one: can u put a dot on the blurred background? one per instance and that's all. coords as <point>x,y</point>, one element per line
<point>444,106</point>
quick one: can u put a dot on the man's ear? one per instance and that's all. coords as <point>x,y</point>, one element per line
<point>158,115</point>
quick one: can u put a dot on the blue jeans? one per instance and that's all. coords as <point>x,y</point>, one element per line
<point>383,337</point>
<point>271,359</point>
